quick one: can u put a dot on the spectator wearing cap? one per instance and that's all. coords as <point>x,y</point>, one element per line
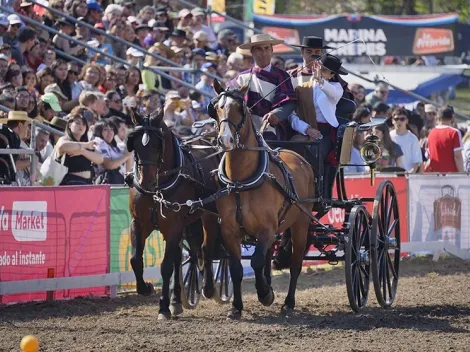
<point>134,56</point>
<point>66,26</point>
<point>82,32</point>
<point>49,106</point>
<point>185,19</point>
<point>95,12</point>
<point>177,38</point>
<point>4,23</point>
<point>444,150</point>
<point>27,9</point>
<point>146,14</point>
<point>99,43</point>
<point>430,116</point>
<point>200,40</point>
<point>11,35</point>
<point>162,16</point>
<point>112,11</point>
<point>206,84</point>
<point>128,8</point>
<point>199,16</point>
<point>158,33</point>
<point>141,32</point>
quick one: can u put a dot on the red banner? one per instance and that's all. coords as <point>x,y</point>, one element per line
<point>360,187</point>
<point>61,228</point>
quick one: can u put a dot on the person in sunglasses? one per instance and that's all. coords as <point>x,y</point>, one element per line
<point>412,157</point>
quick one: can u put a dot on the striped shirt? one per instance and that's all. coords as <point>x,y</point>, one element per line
<point>269,88</point>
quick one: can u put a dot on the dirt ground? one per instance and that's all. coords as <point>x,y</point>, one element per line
<point>431,313</point>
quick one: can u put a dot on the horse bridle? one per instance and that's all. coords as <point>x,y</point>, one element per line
<point>238,97</point>
<point>149,130</point>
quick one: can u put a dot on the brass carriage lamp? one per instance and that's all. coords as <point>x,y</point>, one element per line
<point>370,153</point>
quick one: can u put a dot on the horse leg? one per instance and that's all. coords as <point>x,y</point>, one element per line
<point>267,265</point>
<point>138,237</point>
<point>299,242</point>
<point>176,307</point>
<point>171,252</point>
<point>211,229</point>
<point>233,246</point>
<point>258,262</point>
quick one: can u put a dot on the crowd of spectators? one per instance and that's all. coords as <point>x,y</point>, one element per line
<point>425,139</point>
<point>90,103</point>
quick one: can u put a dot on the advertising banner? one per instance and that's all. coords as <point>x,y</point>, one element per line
<point>437,209</point>
<point>60,228</point>
<point>373,35</point>
<point>121,247</point>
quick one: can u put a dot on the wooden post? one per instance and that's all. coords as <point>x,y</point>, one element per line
<point>50,275</point>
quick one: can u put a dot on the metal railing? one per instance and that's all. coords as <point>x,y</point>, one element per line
<point>115,38</point>
<point>117,59</point>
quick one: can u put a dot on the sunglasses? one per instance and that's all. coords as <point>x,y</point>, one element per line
<point>16,25</point>
<point>401,118</point>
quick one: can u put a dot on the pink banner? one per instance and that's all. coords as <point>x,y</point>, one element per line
<point>61,228</point>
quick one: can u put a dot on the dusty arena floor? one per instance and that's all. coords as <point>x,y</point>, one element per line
<point>431,313</point>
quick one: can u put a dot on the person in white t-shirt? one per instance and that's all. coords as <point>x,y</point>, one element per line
<point>412,157</point>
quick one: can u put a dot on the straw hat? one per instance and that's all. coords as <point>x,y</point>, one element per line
<point>244,52</point>
<point>260,39</point>
<point>17,116</point>
<point>58,123</point>
<point>162,47</point>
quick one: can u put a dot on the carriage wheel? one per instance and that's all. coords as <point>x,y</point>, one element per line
<point>190,278</point>
<point>223,282</point>
<point>385,244</point>
<point>357,258</point>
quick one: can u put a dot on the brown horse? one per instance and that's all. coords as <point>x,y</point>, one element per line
<point>158,150</point>
<point>259,204</point>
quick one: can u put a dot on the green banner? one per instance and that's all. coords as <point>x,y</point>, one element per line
<point>121,248</point>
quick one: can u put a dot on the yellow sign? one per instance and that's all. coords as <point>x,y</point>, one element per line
<point>218,5</point>
<point>153,252</point>
<point>264,7</point>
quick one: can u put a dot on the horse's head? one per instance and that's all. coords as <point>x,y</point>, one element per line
<point>230,110</point>
<point>147,140</point>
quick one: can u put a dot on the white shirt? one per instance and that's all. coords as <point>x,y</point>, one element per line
<point>325,98</point>
<point>409,145</point>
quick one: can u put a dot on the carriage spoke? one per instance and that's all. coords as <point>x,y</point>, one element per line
<point>389,282</point>
<point>364,271</point>
<point>392,268</point>
<point>392,228</point>
<point>384,270</point>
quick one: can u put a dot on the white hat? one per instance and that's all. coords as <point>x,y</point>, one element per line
<point>134,52</point>
<point>4,57</point>
<point>260,39</point>
<point>429,108</point>
<point>14,19</point>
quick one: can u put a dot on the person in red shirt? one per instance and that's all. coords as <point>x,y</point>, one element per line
<point>444,145</point>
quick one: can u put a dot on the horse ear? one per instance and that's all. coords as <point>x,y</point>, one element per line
<point>217,87</point>
<point>135,117</point>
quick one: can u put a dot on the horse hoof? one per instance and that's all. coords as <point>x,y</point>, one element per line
<point>176,309</point>
<point>208,292</point>
<point>267,300</point>
<point>287,311</point>
<point>164,316</point>
<point>234,314</point>
<point>147,290</point>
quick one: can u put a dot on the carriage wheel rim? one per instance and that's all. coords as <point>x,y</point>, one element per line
<point>386,244</point>
<point>357,258</point>
<point>223,281</point>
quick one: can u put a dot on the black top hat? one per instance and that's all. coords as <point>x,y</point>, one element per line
<point>333,64</point>
<point>312,42</point>
<point>178,33</point>
<point>65,22</point>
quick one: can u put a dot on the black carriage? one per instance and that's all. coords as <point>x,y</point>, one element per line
<point>369,244</point>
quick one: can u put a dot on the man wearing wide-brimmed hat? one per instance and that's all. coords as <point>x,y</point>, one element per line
<point>271,96</point>
<point>16,129</point>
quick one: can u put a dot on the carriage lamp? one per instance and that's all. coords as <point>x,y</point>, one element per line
<point>370,153</point>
